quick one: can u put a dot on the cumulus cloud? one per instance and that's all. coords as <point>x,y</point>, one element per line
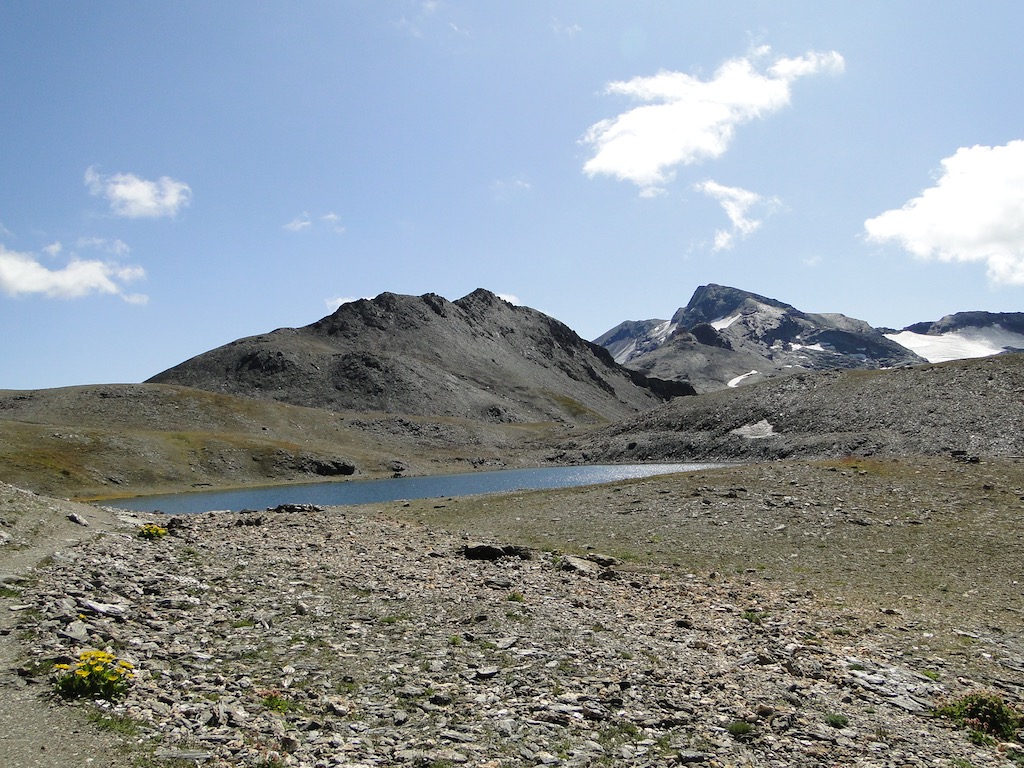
<point>973,213</point>
<point>511,298</point>
<point>737,204</point>
<point>135,198</point>
<point>22,274</point>
<point>684,120</point>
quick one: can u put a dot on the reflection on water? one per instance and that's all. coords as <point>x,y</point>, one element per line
<point>369,491</point>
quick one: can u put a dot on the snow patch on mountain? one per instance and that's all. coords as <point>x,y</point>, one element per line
<point>724,322</point>
<point>663,331</point>
<point>813,347</point>
<point>733,383</point>
<point>625,353</point>
<point>959,345</point>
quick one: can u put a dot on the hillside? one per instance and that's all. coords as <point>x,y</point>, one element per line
<point>125,439</point>
<point>971,406</point>
<point>477,358</point>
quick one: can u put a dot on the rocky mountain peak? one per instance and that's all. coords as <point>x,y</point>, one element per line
<point>713,302</point>
<point>478,357</point>
<point>726,335</point>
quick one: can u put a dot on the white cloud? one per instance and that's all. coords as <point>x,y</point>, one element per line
<point>736,203</point>
<point>684,120</point>
<point>973,213</point>
<point>21,274</point>
<point>299,223</point>
<point>504,188</point>
<point>569,30</point>
<point>135,198</point>
<point>304,221</point>
<point>511,298</point>
<point>333,220</point>
<point>334,303</point>
<point>53,249</point>
<point>115,247</point>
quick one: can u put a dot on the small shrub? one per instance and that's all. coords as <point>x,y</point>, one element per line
<point>984,714</point>
<point>96,675</point>
<point>152,531</point>
<point>835,720</point>
<point>740,729</point>
<point>754,617</point>
<point>618,733</point>
<point>516,597</point>
<point>278,703</point>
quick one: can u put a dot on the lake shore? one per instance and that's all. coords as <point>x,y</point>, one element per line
<point>788,597</point>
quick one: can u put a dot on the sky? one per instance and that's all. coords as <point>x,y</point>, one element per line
<point>175,176</point>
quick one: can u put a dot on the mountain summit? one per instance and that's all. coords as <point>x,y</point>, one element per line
<point>726,335</point>
<point>478,357</point>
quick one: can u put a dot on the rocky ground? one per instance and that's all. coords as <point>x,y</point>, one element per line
<point>973,406</point>
<point>790,614</point>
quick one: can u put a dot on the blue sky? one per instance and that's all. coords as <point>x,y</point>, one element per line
<point>174,176</point>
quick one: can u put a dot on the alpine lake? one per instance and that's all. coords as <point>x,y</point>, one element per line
<point>349,492</point>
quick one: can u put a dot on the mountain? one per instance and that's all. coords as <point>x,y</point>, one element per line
<point>964,335</point>
<point>725,336</point>
<point>478,357</point>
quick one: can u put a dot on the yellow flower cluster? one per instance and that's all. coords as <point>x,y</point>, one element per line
<point>152,531</point>
<point>96,675</point>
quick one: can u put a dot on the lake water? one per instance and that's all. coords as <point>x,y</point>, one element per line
<point>394,489</point>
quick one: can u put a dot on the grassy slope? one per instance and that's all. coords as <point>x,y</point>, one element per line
<point>117,440</point>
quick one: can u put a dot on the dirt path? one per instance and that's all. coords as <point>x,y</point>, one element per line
<point>37,731</point>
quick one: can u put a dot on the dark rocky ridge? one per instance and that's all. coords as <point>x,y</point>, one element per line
<point>724,333</point>
<point>479,358</point>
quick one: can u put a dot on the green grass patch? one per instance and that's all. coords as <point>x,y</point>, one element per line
<point>835,720</point>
